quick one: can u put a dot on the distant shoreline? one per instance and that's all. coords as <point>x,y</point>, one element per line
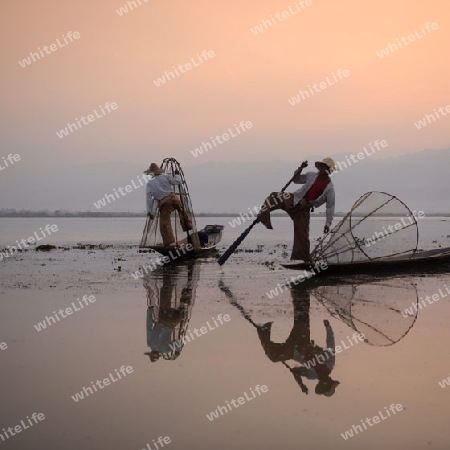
<point>96,214</point>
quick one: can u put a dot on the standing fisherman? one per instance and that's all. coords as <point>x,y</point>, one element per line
<point>159,188</point>
<point>317,189</point>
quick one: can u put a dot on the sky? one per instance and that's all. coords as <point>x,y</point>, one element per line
<point>250,77</point>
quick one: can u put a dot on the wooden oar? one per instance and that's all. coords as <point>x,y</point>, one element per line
<point>234,302</point>
<point>238,241</point>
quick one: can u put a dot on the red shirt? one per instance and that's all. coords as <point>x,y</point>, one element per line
<point>316,190</point>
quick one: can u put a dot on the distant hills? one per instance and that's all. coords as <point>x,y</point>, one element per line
<point>421,180</point>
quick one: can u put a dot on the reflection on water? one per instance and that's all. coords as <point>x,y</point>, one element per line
<point>170,299</point>
<point>371,308</point>
<point>305,345</point>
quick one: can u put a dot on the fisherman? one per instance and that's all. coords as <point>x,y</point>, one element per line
<point>159,188</point>
<point>317,189</point>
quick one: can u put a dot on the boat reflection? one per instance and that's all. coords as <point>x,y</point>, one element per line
<point>170,299</point>
<point>375,308</point>
<point>371,308</point>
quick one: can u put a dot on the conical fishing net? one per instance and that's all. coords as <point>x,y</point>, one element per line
<point>383,310</point>
<point>379,225</point>
<point>170,299</point>
<point>152,235</point>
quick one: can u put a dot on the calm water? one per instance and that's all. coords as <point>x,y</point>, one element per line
<point>240,348</point>
<point>129,230</point>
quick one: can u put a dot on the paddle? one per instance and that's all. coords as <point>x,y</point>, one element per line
<point>234,302</point>
<point>238,241</point>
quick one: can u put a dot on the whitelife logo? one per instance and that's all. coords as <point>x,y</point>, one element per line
<point>225,136</point>
<point>90,118</point>
<point>240,401</point>
<point>11,159</point>
<point>101,384</point>
<point>22,426</point>
<point>422,123</point>
<point>205,56</point>
<point>391,48</point>
<point>360,155</point>
<point>160,444</point>
<point>143,179</point>
<point>12,249</point>
<point>321,358</point>
<point>130,4</point>
<point>376,419</point>
<point>318,87</point>
<point>392,229</point>
<point>178,344</point>
<point>162,261</point>
<point>53,47</point>
<point>444,383</point>
<point>318,267</point>
<point>86,301</point>
<point>299,6</point>
<point>408,312</point>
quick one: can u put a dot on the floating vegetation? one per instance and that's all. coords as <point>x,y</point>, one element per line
<point>45,248</point>
<point>258,249</point>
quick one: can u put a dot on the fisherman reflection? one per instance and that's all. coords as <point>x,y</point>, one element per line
<point>169,307</point>
<point>317,363</point>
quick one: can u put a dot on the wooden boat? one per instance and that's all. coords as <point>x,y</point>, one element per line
<point>378,235</point>
<point>425,261</point>
<point>209,238</point>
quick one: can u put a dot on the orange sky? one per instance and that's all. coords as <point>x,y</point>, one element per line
<point>250,78</point>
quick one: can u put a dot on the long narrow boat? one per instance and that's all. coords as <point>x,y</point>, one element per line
<point>209,238</point>
<point>430,260</point>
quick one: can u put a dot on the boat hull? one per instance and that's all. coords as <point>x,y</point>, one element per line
<point>214,233</point>
<point>420,262</point>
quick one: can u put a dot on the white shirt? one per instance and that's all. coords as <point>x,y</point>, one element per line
<point>159,336</point>
<point>160,186</point>
<point>328,355</point>
<point>327,196</point>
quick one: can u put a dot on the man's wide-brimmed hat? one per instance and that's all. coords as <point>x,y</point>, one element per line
<point>153,355</point>
<point>328,162</point>
<point>326,388</point>
<point>154,169</point>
